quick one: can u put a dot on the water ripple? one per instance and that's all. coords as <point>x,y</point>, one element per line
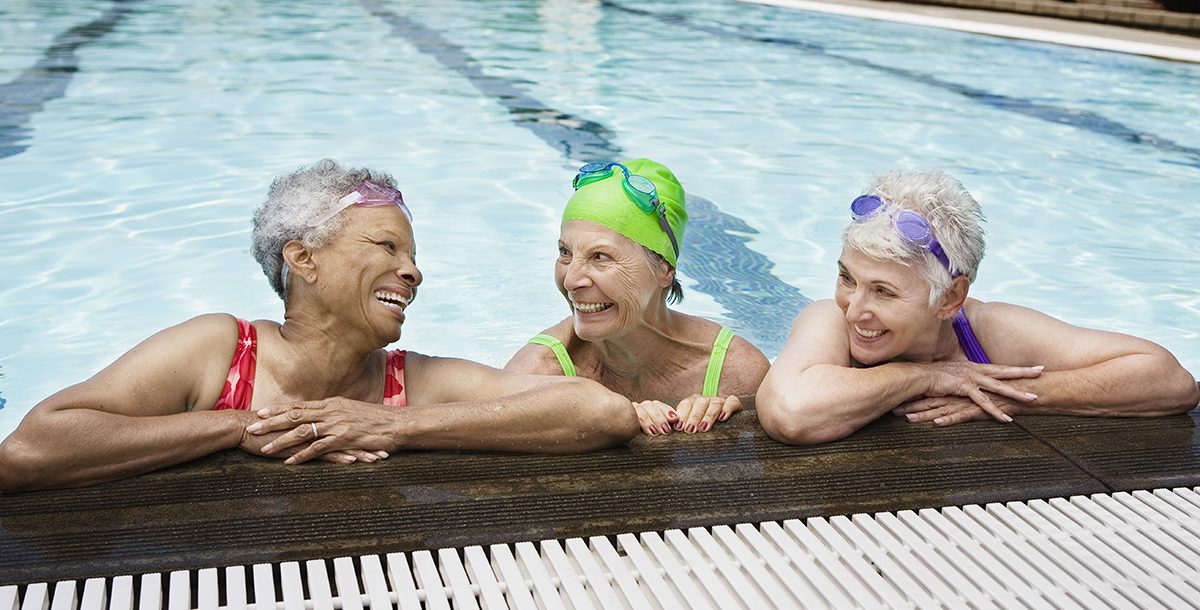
<point>46,80</point>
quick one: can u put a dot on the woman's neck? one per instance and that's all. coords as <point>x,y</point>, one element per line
<point>656,348</point>
<point>324,357</point>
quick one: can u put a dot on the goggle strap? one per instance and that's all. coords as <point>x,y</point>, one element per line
<point>666,227</point>
<point>936,249</point>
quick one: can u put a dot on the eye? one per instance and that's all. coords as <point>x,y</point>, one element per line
<point>600,256</point>
<point>884,292</point>
<point>845,278</point>
<point>389,245</point>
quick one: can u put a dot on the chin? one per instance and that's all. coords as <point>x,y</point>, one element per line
<point>590,332</point>
<point>392,337</point>
<point>868,358</point>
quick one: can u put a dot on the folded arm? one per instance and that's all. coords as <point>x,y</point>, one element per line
<point>129,418</point>
<point>458,404</point>
<point>814,394</point>
<point>1088,372</point>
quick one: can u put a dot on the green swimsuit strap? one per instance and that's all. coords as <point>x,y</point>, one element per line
<point>716,362</point>
<point>560,352</point>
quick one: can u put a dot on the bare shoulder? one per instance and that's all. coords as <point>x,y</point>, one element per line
<point>745,367</point>
<point>204,338</point>
<point>824,311</point>
<point>998,312</point>
<point>179,367</point>
<point>818,335</point>
<point>535,359</point>
<point>1021,336</point>
<point>437,380</point>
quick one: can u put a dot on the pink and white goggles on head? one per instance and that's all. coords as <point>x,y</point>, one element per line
<point>368,194</point>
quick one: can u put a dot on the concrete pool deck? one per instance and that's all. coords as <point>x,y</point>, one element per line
<point>1013,25</point>
<point>234,509</point>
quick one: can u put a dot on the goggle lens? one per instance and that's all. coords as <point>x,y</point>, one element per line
<point>643,192</point>
<point>639,189</point>
<point>910,225</point>
<point>865,205</point>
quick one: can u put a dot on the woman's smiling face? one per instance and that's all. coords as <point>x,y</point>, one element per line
<point>608,279</point>
<point>886,307</point>
<point>372,265</point>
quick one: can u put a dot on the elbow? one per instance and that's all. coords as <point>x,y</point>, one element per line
<point>19,470</point>
<point>790,421</point>
<point>1180,393</point>
<point>620,421</point>
<point>1188,394</point>
<point>610,420</point>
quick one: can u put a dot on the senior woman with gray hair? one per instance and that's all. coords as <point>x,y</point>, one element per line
<point>337,246</point>
<point>901,335</point>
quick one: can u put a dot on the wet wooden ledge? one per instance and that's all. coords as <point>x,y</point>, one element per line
<point>235,509</point>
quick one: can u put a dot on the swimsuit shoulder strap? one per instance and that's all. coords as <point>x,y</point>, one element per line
<point>393,380</point>
<point>560,352</point>
<point>716,361</point>
<point>239,382</point>
<point>967,340</point>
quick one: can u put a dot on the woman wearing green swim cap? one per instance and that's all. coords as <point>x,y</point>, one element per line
<point>617,252</point>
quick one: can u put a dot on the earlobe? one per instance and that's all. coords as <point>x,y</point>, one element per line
<point>300,261</point>
<point>667,276</point>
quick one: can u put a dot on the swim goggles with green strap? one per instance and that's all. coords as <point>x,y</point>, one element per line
<point>639,189</point>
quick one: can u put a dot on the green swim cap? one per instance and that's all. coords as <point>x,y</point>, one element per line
<point>605,202</point>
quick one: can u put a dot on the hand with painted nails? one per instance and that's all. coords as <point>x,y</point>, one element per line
<point>655,418</point>
<point>334,429</point>
<point>948,410</point>
<point>978,384</point>
<point>698,413</point>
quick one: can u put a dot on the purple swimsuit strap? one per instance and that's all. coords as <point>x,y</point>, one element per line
<point>966,339</point>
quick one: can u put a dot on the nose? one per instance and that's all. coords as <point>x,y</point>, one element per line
<point>409,273</point>
<point>858,307</point>
<point>576,276</point>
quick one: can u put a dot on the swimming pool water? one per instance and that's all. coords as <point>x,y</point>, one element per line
<point>136,138</point>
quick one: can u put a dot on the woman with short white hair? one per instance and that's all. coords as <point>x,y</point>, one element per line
<point>337,246</point>
<point>901,334</point>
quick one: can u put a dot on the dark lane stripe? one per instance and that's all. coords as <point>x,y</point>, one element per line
<point>47,80</point>
<point>761,305</point>
<point>1082,119</point>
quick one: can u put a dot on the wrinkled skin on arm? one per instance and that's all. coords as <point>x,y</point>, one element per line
<point>815,393</point>
<point>146,411</point>
<point>458,404</point>
<point>1087,372</point>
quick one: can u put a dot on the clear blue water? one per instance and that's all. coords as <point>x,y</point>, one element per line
<point>133,149</point>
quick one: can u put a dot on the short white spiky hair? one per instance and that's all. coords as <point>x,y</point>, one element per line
<point>955,216</point>
<point>294,202</point>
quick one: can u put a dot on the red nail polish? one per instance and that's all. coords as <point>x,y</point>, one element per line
<point>691,428</point>
<point>704,427</point>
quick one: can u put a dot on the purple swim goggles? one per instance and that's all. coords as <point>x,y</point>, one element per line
<point>368,194</point>
<point>910,225</point>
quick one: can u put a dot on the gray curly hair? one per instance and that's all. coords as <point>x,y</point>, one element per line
<point>955,216</point>
<point>294,202</point>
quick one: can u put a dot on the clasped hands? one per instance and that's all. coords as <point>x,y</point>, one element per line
<point>335,430</point>
<point>695,413</point>
<point>963,391</point>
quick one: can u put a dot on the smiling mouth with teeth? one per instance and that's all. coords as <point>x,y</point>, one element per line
<point>868,334</point>
<point>391,299</point>
<point>591,307</point>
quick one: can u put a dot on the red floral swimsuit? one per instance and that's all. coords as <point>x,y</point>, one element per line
<point>239,384</point>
